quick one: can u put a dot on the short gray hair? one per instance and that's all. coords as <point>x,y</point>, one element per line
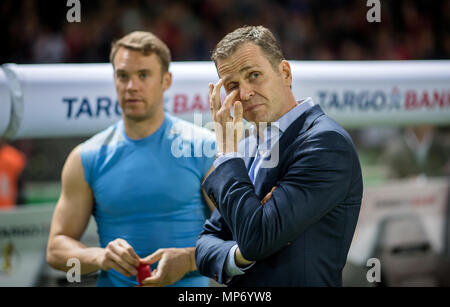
<point>257,35</point>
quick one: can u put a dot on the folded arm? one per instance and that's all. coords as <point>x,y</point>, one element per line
<point>316,180</point>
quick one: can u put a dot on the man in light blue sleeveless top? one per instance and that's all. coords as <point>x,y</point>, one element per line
<point>139,178</point>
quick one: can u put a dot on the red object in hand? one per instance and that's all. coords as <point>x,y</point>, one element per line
<point>143,272</point>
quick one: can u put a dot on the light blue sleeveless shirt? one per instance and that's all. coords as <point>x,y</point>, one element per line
<point>147,191</point>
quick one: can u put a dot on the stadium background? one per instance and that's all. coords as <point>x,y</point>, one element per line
<point>37,32</point>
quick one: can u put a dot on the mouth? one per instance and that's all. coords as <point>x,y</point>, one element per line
<point>133,100</point>
<point>253,108</point>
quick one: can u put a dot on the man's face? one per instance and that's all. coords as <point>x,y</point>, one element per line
<point>139,83</point>
<point>262,88</point>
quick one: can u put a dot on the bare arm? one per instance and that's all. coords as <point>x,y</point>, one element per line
<point>70,219</point>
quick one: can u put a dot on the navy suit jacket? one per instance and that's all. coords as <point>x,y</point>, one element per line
<point>302,235</point>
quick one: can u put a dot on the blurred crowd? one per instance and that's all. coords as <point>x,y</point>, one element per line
<point>38,31</point>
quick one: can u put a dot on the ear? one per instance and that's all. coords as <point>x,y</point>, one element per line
<point>285,70</point>
<point>167,80</point>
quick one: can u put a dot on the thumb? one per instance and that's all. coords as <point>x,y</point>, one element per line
<point>155,257</point>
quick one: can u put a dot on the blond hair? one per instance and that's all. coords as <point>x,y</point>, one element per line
<point>145,42</point>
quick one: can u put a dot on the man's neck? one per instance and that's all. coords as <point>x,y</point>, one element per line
<point>137,130</point>
<point>289,106</point>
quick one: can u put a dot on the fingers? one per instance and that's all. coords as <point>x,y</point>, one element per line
<point>156,280</point>
<point>159,276</point>
<point>223,115</point>
<point>228,102</point>
<point>268,196</point>
<point>211,98</point>
<point>122,257</point>
<point>128,252</point>
<point>228,129</point>
<point>156,256</point>
<point>237,121</point>
<point>214,95</point>
<point>214,99</point>
<point>113,261</point>
<point>125,252</point>
<point>211,104</point>
<point>173,264</point>
<point>238,112</point>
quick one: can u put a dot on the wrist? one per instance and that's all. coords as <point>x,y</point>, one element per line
<point>90,259</point>
<point>240,260</point>
<point>219,154</point>
<point>191,254</point>
<point>226,148</point>
<point>230,154</point>
<point>95,257</point>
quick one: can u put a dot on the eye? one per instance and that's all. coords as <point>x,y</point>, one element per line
<point>232,86</point>
<point>254,75</point>
<point>122,76</point>
<point>143,75</point>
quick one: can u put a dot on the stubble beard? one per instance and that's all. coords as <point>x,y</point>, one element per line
<point>148,115</point>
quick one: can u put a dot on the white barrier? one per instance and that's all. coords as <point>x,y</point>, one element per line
<point>61,100</point>
<point>420,204</point>
<point>23,241</point>
<point>23,237</point>
<point>5,103</point>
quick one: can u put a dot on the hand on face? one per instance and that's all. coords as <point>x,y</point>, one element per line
<point>229,130</point>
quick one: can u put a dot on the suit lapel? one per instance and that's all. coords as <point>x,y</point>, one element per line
<point>267,177</point>
<point>247,148</point>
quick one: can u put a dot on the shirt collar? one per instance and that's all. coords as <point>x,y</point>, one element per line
<point>287,119</point>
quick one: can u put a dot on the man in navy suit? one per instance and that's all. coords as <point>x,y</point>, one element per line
<point>288,196</point>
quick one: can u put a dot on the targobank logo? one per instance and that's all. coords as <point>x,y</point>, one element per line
<point>79,107</point>
<point>380,100</point>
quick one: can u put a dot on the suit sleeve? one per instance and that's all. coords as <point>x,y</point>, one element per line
<point>316,180</point>
<point>212,247</point>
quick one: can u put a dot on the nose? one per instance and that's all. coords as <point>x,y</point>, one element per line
<point>132,84</point>
<point>245,91</point>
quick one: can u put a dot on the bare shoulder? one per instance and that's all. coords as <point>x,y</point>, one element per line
<point>73,173</point>
<point>75,203</point>
<point>73,166</point>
